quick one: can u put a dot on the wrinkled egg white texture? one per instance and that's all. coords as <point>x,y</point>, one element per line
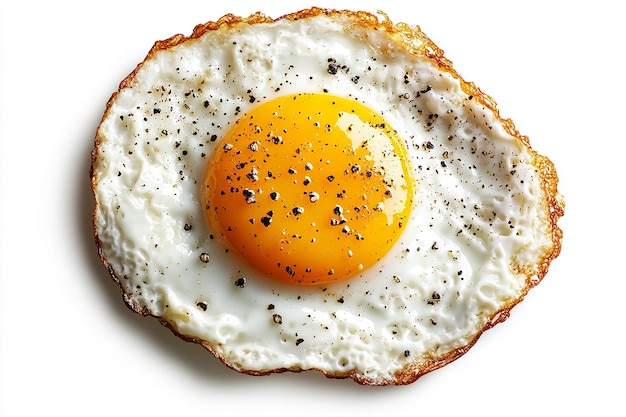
<point>477,205</point>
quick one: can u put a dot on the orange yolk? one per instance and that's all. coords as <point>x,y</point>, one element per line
<point>309,188</point>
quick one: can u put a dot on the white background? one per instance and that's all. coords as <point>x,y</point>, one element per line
<point>69,346</point>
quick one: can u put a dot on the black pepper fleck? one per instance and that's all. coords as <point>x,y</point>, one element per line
<point>249,195</point>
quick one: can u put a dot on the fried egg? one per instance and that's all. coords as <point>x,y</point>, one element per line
<point>320,191</point>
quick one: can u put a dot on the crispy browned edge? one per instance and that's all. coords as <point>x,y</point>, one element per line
<point>415,41</point>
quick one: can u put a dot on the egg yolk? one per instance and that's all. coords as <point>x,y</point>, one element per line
<point>309,188</point>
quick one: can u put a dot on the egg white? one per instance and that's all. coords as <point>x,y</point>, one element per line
<point>479,226</point>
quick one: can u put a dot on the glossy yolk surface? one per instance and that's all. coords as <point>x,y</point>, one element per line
<point>309,188</point>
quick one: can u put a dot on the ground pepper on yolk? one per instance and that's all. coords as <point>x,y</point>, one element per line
<point>309,188</point>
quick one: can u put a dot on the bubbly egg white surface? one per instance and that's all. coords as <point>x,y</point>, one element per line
<point>478,208</point>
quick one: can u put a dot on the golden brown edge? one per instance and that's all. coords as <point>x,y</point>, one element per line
<point>415,41</point>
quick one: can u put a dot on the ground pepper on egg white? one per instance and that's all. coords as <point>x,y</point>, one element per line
<point>481,229</point>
